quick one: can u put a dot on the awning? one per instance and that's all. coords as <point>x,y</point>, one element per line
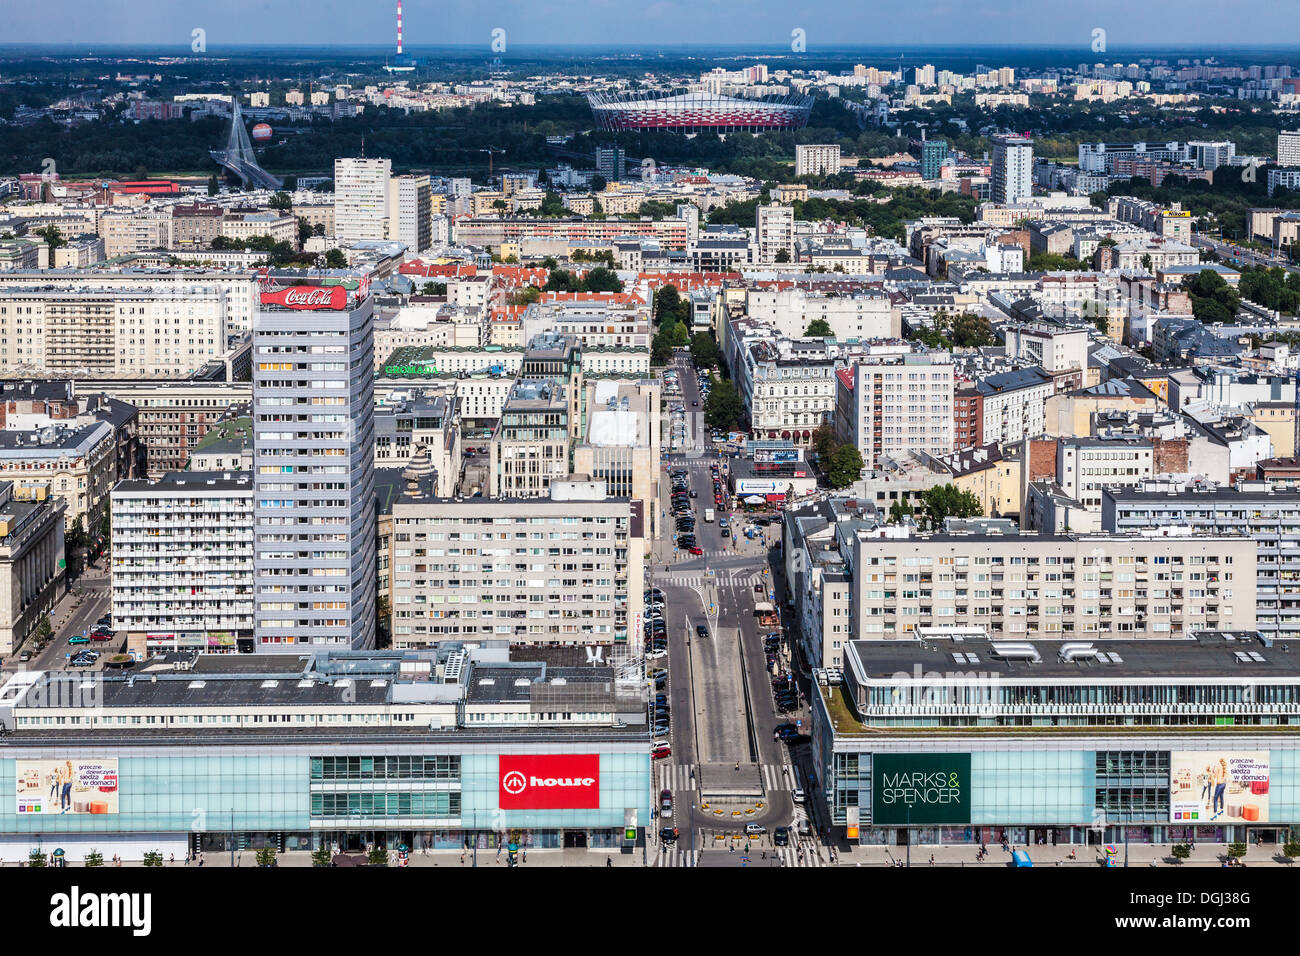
<point>755,500</point>
<point>776,497</point>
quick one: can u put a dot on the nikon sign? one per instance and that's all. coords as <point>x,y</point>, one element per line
<point>920,789</point>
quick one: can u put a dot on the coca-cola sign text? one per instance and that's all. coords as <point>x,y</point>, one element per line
<point>308,297</point>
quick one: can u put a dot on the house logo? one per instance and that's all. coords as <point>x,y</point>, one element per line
<point>514,783</point>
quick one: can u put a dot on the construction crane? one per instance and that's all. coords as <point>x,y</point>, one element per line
<point>490,150</point>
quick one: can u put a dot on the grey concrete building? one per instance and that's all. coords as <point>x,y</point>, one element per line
<point>313,466</point>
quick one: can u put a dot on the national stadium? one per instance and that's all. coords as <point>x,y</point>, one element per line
<point>701,110</point>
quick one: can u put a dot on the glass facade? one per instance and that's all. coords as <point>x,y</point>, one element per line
<point>262,796</point>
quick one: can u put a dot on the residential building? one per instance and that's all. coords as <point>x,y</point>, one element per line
<point>1014,403</point>
<point>31,558</point>
<point>890,405</point>
<point>775,233</point>
<point>410,211</point>
<point>816,160</point>
<point>1085,467</point>
<point>182,571</point>
<point>1013,168</point>
<point>361,199</point>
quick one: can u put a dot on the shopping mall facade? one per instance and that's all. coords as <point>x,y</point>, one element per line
<point>210,760</point>
<point>1041,742</point>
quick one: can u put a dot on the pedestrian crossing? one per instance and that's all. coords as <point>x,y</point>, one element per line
<point>675,856</point>
<point>790,856</point>
<point>684,579</point>
<point>684,777</point>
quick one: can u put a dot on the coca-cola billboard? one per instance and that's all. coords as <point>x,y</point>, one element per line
<point>308,297</point>
<point>549,782</point>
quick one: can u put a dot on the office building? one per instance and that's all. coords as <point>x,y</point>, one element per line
<point>182,572</point>
<point>934,152</point>
<point>1013,168</point>
<point>530,447</point>
<point>313,460</point>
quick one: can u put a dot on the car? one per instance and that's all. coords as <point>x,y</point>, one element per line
<point>696,404</point>
<point>758,589</point>
<point>81,662</point>
<point>660,749</point>
<point>701,631</point>
<point>798,795</point>
<point>697,550</point>
<point>78,639</point>
<point>755,829</point>
<point>781,836</point>
<point>660,730</point>
<point>668,835</point>
<point>25,656</point>
<point>785,698</point>
<point>694,493</point>
<point>656,605</point>
<point>657,673</point>
<point>661,700</point>
<point>657,653</point>
<point>665,803</point>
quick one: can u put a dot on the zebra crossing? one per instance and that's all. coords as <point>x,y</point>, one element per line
<point>675,856</point>
<point>790,856</point>
<point>684,777</point>
<point>682,579</point>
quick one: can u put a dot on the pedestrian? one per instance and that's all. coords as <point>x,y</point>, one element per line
<point>609,861</point>
<point>172,860</point>
<point>932,859</point>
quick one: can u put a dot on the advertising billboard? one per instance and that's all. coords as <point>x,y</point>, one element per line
<point>920,789</point>
<point>309,297</point>
<point>549,782</point>
<point>66,786</point>
<point>1218,786</point>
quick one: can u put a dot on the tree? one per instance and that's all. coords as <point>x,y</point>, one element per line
<point>53,238</point>
<point>1291,848</point>
<point>43,629</point>
<point>1146,262</point>
<point>321,856</point>
<point>1181,851</point>
<point>818,329</point>
<point>36,858</point>
<point>824,442</point>
<point>1236,850</point>
<point>704,350</point>
<point>525,296</point>
<point>602,279</point>
<point>899,512</point>
<point>213,186</point>
<point>845,466</point>
<point>562,280</point>
<point>948,501</point>
<point>94,858</point>
<point>550,263</point>
<point>266,856</point>
<point>598,183</point>
<point>723,408</point>
<point>667,301</point>
<point>304,230</point>
<point>379,856</point>
<point>280,200</point>
<point>434,288</point>
<point>335,259</point>
<point>782,255</point>
<point>153,858</point>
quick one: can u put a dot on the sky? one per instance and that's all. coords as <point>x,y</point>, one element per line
<point>620,23</point>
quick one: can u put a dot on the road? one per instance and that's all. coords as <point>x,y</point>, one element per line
<point>719,687</point>
<point>1240,255</point>
<point>85,603</point>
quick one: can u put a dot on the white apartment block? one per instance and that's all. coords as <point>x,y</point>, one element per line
<point>361,198</point>
<point>1015,405</point>
<point>130,232</point>
<point>182,572</point>
<point>1085,466</point>
<point>1013,169</point>
<point>1052,586</point>
<point>239,287</point>
<point>141,332</point>
<point>774,232</point>
<point>892,405</point>
<point>1288,147</point>
<point>861,316</point>
<point>816,160</point>
<point>1056,349</point>
<point>410,211</point>
<point>560,570</point>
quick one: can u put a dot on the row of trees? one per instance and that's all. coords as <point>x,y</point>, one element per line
<point>840,462</point>
<point>937,503</point>
<point>966,330</point>
<point>672,319</point>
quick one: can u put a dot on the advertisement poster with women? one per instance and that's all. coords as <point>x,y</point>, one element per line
<point>67,786</point>
<point>1209,786</point>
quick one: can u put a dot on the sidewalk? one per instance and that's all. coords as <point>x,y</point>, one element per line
<point>452,858</point>
<point>1144,854</point>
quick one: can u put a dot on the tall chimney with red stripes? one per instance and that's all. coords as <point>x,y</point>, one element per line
<point>399,27</point>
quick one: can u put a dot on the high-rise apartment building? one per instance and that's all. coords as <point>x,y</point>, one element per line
<point>890,405</point>
<point>1288,147</point>
<point>610,162</point>
<point>775,233</point>
<point>410,211</point>
<point>933,154</point>
<point>361,198</point>
<point>1013,168</point>
<point>816,160</point>
<point>313,469</point>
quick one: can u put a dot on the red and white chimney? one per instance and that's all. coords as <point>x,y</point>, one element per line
<point>399,27</point>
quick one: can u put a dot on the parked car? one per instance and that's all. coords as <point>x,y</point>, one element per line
<point>78,639</point>
<point>660,749</point>
<point>798,795</point>
<point>755,829</point>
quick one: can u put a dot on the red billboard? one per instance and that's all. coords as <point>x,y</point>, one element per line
<point>549,782</point>
<point>308,297</point>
